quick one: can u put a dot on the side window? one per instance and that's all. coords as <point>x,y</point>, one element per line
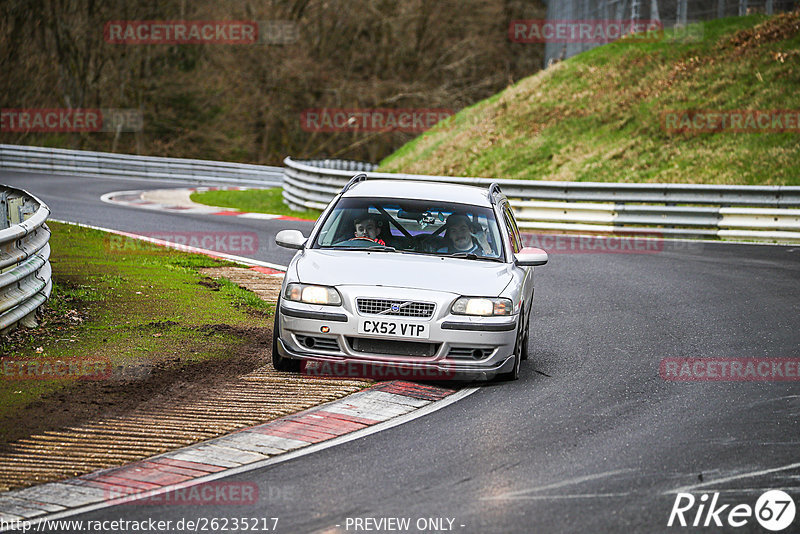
<point>511,226</point>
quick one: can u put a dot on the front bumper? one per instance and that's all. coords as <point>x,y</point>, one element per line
<point>458,347</point>
<point>386,369</point>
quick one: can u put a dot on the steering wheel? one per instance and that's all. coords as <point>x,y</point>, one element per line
<point>427,242</point>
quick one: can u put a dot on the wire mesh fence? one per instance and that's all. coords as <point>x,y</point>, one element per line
<point>668,13</point>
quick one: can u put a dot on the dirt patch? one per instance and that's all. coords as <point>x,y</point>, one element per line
<point>778,28</point>
<point>93,425</point>
<point>156,374</point>
<point>134,384</point>
<point>266,286</point>
<point>49,321</point>
<point>209,283</point>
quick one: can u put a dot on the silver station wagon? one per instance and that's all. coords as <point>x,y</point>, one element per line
<point>428,280</point>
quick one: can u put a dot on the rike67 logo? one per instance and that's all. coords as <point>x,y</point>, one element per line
<point>774,510</point>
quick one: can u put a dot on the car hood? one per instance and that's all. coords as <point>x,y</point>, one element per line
<point>352,267</point>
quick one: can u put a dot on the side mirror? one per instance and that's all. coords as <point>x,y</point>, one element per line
<point>530,257</point>
<point>290,239</point>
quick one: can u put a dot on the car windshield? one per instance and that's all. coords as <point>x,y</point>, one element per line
<point>412,226</point>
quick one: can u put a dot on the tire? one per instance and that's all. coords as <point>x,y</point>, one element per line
<point>519,353</point>
<point>279,362</point>
<point>525,351</point>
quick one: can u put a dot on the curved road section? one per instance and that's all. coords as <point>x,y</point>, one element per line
<point>614,425</point>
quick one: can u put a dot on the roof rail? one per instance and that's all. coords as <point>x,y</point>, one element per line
<point>360,177</point>
<point>494,188</point>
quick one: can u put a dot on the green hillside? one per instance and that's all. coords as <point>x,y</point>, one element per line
<point>600,116</point>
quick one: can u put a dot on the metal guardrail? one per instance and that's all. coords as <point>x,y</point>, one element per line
<point>760,213</point>
<point>25,274</point>
<point>341,164</point>
<point>81,162</point>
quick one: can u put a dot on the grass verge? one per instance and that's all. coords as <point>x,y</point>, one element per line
<point>253,200</point>
<point>137,310</point>
<point>599,116</point>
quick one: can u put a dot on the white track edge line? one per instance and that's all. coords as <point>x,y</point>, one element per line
<point>290,455</point>
<point>181,248</point>
<point>749,474</point>
<point>108,198</point>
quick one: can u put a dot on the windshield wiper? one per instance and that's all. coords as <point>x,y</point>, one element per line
<point>470,256</point>
<point>376,247</point>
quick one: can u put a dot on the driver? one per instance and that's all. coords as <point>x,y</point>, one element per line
<point>367,227</point>
<point>465,236</point>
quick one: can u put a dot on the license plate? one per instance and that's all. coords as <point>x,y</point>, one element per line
<point>393,328</point>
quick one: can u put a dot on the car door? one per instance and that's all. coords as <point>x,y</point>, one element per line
<point>515,241</point>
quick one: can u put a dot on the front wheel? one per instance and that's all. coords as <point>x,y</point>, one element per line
<point>279,362</point>
<point>526,340</point>
<point>520,351</point>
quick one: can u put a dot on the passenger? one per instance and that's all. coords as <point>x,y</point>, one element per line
<point>465,236</point>
<point>368,227</point>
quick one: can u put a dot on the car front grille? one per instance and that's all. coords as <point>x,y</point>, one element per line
<point>392,347</point>
<point>398,308</point>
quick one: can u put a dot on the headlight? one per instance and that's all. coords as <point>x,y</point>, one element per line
<point>482,306</point>
<point>312,294</point>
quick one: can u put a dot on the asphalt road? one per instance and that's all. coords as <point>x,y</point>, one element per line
<point>77,199</point>
<point>590,439</point>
